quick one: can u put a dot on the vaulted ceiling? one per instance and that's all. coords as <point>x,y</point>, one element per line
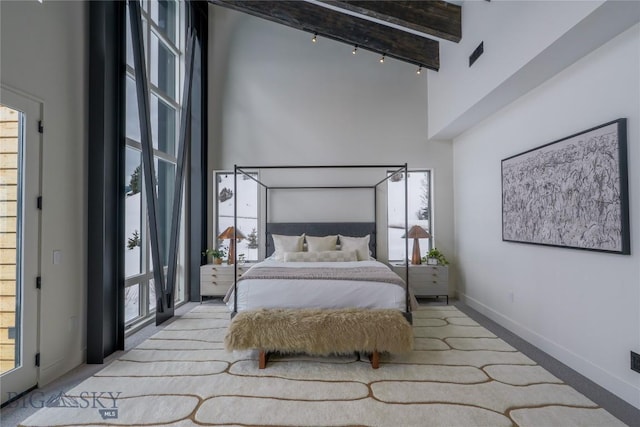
<point>404,30</point>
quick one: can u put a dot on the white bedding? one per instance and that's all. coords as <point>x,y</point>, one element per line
<point>285,293</point>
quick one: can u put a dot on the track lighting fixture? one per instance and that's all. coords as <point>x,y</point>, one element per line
<point>382,58</point>
<point>419,70</point>
<point>355,49</point>
<point>315,37</point>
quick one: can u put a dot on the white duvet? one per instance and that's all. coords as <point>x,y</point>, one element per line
<point>290,293</point>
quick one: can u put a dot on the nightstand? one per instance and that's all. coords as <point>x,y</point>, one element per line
<point>216,279</point>
<point>426,280</point>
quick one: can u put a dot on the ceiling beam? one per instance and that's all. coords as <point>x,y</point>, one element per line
<point>339,26</point>
<point>435,18</point>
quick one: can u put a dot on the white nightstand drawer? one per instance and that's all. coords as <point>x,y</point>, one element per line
<point>220,269</point>
<point>216,279</point>
<point>426,280</point>
<point>430,289</point>
<point>214,289</point>
<point>428,271</point>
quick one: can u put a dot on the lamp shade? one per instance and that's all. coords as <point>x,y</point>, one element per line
<point>417,232</point>
<point>228,233</point>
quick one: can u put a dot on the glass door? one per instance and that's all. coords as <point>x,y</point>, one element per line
<point>19,242</point>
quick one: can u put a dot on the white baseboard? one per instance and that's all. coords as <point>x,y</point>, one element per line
<point>619,387</point>
<point>58,368</point>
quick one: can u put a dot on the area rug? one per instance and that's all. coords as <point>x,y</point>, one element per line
<point>459,374</point>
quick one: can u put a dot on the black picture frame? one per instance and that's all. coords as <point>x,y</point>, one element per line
<point>571,193</point>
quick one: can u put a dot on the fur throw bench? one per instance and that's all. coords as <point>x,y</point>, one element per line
<point>320,332</point>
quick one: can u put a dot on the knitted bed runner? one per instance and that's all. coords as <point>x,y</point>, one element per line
<point>364,274</point>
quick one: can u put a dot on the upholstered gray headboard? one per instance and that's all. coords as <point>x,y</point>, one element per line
<point>354,229</point>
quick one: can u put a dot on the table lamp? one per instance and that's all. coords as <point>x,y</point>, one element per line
<point>416,232</point>
<point>230,233</point>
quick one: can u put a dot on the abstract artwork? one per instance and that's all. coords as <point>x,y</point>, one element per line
<point>570,193</point>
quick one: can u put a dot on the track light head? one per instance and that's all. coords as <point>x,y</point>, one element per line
<point>315,37</point>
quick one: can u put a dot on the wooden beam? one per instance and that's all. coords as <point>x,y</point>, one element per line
<point>354,31</point>
<point>436,18</point>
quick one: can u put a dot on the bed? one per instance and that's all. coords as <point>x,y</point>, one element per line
<point>320,291</point>
<point>329,285</point>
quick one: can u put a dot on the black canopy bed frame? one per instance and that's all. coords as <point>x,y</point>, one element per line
<point>288,330</point>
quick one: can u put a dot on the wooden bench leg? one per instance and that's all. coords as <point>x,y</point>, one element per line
<point>262,359</point>
<point>375,359</point>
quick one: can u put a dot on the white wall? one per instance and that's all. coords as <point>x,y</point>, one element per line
<point>44,55</point>
<point>525,43</point>
<point>278,98</point>
<point>581,307</point>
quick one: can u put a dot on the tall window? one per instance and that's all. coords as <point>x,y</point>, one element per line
<point>247,204</point>
<point>419,207</point>
<point>163,30</point>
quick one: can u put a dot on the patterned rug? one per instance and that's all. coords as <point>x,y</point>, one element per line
<point>459,374</point>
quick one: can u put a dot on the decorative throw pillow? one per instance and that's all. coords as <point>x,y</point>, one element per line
<point>318,244</point>
<point>358,244</point>
<point>321,256</point>
<point>284,244</point>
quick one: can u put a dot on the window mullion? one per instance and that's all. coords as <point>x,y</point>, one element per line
<point>164,156</point>
<point>144,299</point>
<point>132,280</point>
<point>133,143</point>
<point>144,233</point>
<point>155,90</point>
<point>156,153</point>
<point>162,37</point>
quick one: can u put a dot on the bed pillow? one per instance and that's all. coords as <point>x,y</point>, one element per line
<point>319,244</point>
<point>321,256</point>
<point>283,244</point>
<point>358,244</point>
